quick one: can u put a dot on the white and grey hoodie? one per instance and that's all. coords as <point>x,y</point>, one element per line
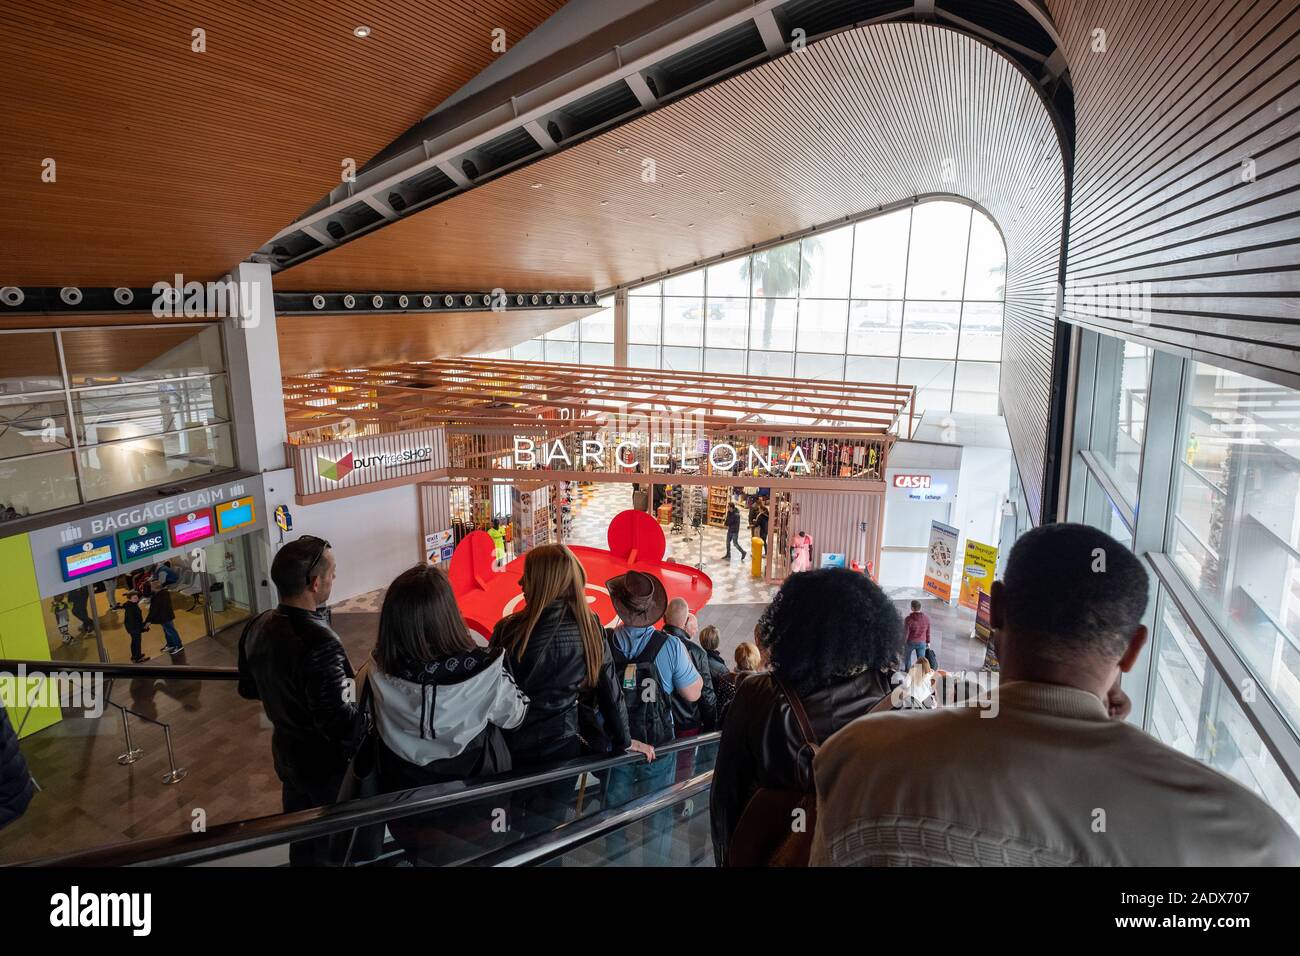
<point>437,716</point>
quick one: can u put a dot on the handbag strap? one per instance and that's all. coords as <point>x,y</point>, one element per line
<point>800,715</point>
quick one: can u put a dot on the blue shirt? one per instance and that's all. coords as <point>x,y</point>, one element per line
<point>673,662</point>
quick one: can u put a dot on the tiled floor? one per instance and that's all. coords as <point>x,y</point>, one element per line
<point>732,581</point>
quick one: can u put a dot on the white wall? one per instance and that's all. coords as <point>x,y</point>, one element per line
<point>375,536</point>
<point>985,478</point>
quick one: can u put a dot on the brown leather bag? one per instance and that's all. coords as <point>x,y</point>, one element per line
<point>764,835</point>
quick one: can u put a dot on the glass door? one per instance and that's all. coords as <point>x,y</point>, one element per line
<point>229,582</point>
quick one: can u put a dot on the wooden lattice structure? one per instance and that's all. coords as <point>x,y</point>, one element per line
<point>496,396</point>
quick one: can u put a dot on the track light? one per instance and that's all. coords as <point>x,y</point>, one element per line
<point>70,295</point>
<point>403,301</point>
<point>318,301</point>
<point>123,295</point>
<point>377,301</point>
<point>349,301</point>
<point>12,295</point>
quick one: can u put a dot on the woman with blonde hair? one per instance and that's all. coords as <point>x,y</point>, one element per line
<point>748,660</point>
<point>555,647</point>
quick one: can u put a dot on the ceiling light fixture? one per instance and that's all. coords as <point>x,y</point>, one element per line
<point>537,185</point>
<point>361,32</point>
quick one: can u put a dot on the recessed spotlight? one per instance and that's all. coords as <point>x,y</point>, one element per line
<point>537,185</point>
<point>604,202</point>
<point>361,32</point>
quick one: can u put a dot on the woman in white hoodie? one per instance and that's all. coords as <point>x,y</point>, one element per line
<point>440,701</point>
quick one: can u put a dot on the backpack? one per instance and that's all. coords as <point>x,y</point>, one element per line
<point>763,835</point>
<point>650,721</point>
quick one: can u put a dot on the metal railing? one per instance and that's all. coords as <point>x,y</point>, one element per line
<point>567,837</point>
<point>244,836</point>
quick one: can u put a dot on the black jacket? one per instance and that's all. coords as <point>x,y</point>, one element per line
<point>292,662</point>
<point>132,618</point>
<point>552,674</point>
<point>761,743</point>
<point>733,520</point>
<point>160,607</point>
<point>717,666</point>
<point>702,714</point>
<point>15,780</point>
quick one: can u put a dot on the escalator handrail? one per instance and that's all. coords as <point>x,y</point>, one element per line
<point>243,836</point>
<point>536,850</point>
<point>130,671</point>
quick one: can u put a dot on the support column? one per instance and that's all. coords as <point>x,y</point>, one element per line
<point>257,407</point>
<point>253,360</point>
<point>620,327</point>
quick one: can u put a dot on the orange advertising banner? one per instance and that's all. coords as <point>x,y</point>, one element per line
<point>939,560</point>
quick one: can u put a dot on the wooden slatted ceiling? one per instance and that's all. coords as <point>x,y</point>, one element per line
<point>310,342</point>
<point>511,394</point>
<point>174,161</point>
<point>861,118</point>
<point>1182,97</point>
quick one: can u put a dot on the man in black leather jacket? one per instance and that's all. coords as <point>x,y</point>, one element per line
<point>292,661</point>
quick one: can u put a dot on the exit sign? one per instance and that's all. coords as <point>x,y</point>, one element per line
<point>142,541</point>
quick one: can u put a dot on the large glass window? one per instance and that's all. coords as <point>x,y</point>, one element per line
<point>828,258</point>
<point>114,354</point>
<point>683,321</point>
<point>822,325</point>
<point>930,329</point>
<point>121,466</point>
<point>1235,525</point>
<point>727,324</point>
<point>875,328</point>
<point>1195,712</point>
<point>123,409</point>
<point>925,283</point>
<point>1120,410</point>
<point>644,315</point>
<point>939,233</point>
<point>29,362</point>
<point>880,256</point>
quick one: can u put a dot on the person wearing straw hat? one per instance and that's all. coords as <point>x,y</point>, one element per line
<point>651,666</point>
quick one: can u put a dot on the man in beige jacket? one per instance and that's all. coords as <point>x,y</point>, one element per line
<point>1047,777</point>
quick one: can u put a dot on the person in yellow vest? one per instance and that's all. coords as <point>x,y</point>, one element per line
<point>499,541</point>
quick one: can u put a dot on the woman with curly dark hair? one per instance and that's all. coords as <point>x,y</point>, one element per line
<point>830,636</point>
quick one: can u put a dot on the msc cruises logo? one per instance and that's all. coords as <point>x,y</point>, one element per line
<point>335,470</point>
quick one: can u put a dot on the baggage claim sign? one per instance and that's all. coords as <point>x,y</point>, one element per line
<point>98,545</point>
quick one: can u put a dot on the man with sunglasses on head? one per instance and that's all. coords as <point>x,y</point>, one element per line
<point>293,662</point>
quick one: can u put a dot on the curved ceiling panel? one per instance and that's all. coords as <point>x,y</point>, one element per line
<point>862,118</point>
<point>171,160</point>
